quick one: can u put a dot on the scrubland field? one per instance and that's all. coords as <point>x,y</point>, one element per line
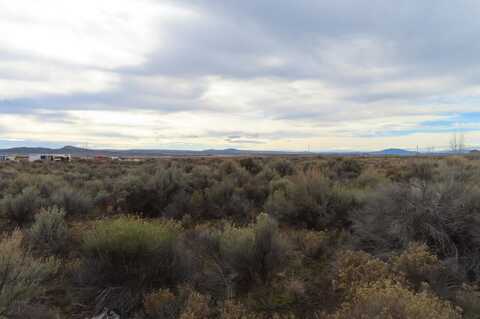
<point>241,238</point>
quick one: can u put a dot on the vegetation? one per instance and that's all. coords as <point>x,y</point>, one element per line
<point>49,232</point>
<point>241,238</point>
<point>23,277</point>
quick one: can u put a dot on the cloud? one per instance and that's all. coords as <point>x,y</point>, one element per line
<point>260,74</point>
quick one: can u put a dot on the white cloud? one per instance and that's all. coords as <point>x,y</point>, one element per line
<point>151,73</point>
<point>268,95</point>
<point>29,79</point>
<point>62,47</point>
<point>105,34</point>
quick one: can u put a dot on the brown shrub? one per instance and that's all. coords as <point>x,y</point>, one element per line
<point>417,263</point>
<point>161,304</point>
<point>388,300</point>
<point>197,306</point>
<point>355,269</point>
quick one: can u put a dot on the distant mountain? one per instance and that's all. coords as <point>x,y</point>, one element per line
<point>394,152</point>
<point>44,150</point>
<point>25,150</point>
<point>83,152</point>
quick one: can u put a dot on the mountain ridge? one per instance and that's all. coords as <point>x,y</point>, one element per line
<point>78,151</point>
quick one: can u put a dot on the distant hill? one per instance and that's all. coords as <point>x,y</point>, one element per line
<point>83,152</point>
<point>394,152</point>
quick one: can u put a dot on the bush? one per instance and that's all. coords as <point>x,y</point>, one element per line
<point>233,310</point>
<point>132,251</point>
<point>440,214</point>
<point>127,256</point>
<point>422,170</point>
<point>370,178</point>
<point>154,195</point>
<point>197,306</point>
<point>255,253</point>
<point>103,200</point>
<point>417,263</point>
<point>233,259</point>
<point>210,272</point>
<point>386,299</point>
<point>468,298</point>
<point>21,275</point>
<point>161,304</point>
<point>356,269</point>
<point>35,311</point>
<point>283,167</point>
<point>251,165</point>
<point>72,201</point>
<point>230,168</point>
<point>224,199</point>
<point>21,208</point>
<point>49,232</point>
<point>345,169</point>
<point>310,201</point>
<point>312,244</point>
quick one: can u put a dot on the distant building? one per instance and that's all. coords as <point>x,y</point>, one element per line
<point>55,158</point>
<point>102,158</point>
<point>21,158</point>
<point>132,159</point>
<point>34,157</point>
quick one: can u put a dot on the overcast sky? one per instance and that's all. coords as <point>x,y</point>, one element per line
<point>252,74</point>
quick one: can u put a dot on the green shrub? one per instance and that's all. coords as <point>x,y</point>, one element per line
<point>210,272</point>
<point>311,201</point>
<point>253,166</point>
<point>22,277</point>
<point>21,208</point>
<point>229,167</point>
<point>442,215</point>
<point>345,168</point>
<point>370,178</point>
<point>132,251</point>
<point>154,195</point>
<point>102,199</point>
<point>72,201</point>
<point>224,199</point>
<point>422,170</point>
<point>48,184</point>
<point>49,232</point>
<point>256,253</point>
<point>283,167</point>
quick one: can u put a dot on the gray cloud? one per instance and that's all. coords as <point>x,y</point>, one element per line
<point>377,59</point>
<point>429,37</point>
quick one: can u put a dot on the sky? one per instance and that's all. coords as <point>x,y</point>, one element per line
<point>255,74</point>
